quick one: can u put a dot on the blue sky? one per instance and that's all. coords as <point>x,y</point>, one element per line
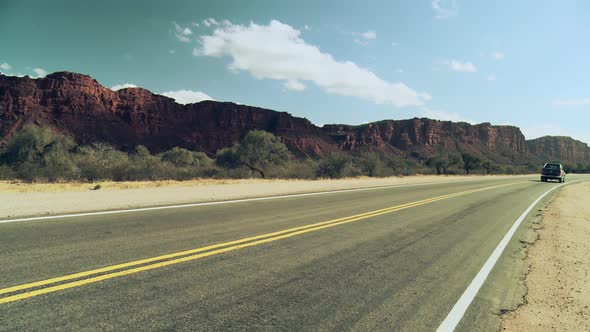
<point>524,63</point>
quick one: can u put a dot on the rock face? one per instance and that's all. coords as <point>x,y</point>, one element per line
<point>79,106</point>
<point>560,148</point>
<point>427,137</point>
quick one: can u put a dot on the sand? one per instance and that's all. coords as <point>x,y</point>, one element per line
<point>558,281</point>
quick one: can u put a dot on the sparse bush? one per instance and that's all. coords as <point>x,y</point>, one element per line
<point>296,169</point>
<point>179,157</point>
<point>101,161</point>
<point>40,154</point>
<point>259,151</point>
<point>443,162</point>
<point>370,164</point>
<point>7,173</point>
<point>470,162</point>
<point>335,165</point>
<point>228,157</point>
<point>490,167</point>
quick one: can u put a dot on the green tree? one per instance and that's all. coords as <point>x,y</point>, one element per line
<point>454,160</point>
<point>442,162</point>
<point>145,166</point>
<point>490,167</point>
<point>370,164</point>
<point>228,157</point>
<point>101,161</point>
<point>437,162</point>
<point>179,157</point>
<point>394,163</point>
<point>36,152</point>
<point>259,151</point>
<point>334,165</point>
<point>470,162</point>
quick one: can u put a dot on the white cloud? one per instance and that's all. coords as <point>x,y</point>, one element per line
<point>369,34</point>
<point>295,85</point>
<point>172,51</point>
<point>445,9</point>
<point>572,102</point>
<point>363,38</point>
<point>307,27</point>
<point>497,55</point>
<point>466,67</point>
<point>394,44</point>
<point>442,115</point>
<point>210,21</point>
<point>187,96</point>
<point>276,51</point>
<point>40,72</point>
<point>399,70</point>
<point>123,86</point>
<point>182,34</point>
<point>13,75</point>
<point>491,77</point>
<point>5,66</point>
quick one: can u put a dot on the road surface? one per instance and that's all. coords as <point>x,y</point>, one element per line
<point>395,258</point>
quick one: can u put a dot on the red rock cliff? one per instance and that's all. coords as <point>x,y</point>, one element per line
<point>78,105</point>
<point>561,149</point>
<point>426,136</point>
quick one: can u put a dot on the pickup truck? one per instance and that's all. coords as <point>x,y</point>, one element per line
<point>553,171</point>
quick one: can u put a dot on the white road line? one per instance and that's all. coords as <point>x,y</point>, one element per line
<point>459,309</point>
<point>166,207</point>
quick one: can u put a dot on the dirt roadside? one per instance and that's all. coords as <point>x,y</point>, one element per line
<point>19,199</point>
<point>558,280</point>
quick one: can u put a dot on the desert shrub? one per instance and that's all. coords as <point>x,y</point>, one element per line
<point>442,162</point>
<point>179,157</point>
<point>102,161</point>
<point>144,166</point>
<point>228,157</point>
<point>296,169</point>
<point>37,153</point>
<point>7,173</point>
<point>490,167</point>
<point>335,165</point>
<point>394,165</point>
<point>369,164</point>
<point>470,162</point>
<point>259,151</point>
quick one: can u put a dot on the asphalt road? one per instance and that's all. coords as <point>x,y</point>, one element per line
<point>383,259</point>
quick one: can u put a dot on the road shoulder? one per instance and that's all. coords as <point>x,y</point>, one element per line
<point>17,201</point>
<point>558,278</point>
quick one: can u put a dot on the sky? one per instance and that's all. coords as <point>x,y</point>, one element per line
<point>522,63</point>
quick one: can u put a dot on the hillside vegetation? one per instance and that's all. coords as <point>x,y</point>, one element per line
<point>39,154</point>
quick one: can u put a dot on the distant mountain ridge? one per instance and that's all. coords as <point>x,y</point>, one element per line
<point>78,105</point>
<point>560,148</point>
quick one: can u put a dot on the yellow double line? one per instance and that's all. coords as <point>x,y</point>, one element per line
<point>119,270</point>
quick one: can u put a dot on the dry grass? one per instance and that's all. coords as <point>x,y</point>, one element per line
<point>18,186</point>
<point>23,187</point>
